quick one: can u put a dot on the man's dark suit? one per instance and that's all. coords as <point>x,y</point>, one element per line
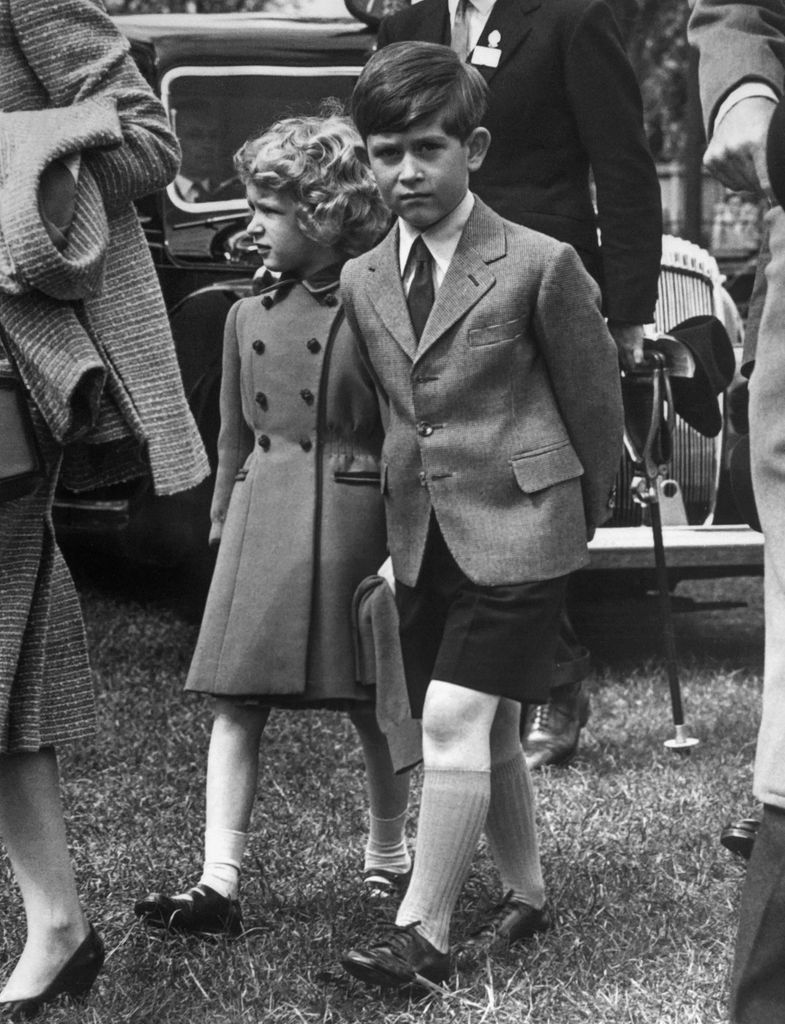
<point>563,100</point>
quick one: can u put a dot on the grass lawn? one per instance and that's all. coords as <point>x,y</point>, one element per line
<point>644,897</point>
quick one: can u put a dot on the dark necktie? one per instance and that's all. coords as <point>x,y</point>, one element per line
<point>420,297</point>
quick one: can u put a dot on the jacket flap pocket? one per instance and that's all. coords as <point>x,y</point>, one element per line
<point>493,334</point>
<point>534,471</point>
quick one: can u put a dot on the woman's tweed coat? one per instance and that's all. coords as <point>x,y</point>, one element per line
<point>67,54</point>
<point>298,484</point>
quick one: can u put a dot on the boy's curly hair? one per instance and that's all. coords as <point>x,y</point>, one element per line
<point>316,160</point>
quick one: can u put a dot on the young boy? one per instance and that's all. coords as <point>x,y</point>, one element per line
<point>504,427</point>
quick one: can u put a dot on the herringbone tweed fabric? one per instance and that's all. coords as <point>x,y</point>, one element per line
<point>98,360</point>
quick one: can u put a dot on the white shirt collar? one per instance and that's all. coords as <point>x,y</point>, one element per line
<point>441,238</point>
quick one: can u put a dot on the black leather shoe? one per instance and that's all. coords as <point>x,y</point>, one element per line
<point>380,885</point>
<point>404,960</point>
<point>508,922</point>
<point>73,981</point>
<point>200,911</point>
<point>739,836</point>
<point>552,731</point>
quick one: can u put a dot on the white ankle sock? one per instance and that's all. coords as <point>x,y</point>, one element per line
<point>223,853</point>
<point>386,846</point>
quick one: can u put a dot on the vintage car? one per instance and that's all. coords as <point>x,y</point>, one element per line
<point>223,77</point>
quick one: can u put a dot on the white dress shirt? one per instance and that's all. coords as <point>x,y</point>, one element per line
<point>441,239</point>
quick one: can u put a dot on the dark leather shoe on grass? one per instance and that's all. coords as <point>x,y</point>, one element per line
<point>739,836</point>
<point>380,885</point>
<point>508,922</point>
<point>552,731</point>
<point>200,911</point>
<point>405,959</point>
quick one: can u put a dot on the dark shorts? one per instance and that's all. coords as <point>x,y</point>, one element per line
<point>497,640</point>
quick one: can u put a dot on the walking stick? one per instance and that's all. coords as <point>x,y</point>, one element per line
<point>650,464</point>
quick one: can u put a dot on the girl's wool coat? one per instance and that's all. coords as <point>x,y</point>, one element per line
<point>298,485</point>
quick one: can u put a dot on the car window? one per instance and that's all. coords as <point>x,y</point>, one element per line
<point>214,110</point>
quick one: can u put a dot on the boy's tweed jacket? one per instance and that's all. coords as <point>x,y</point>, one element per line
<point>506,420</point>
<point>66,55</point>
<point>88,328</point>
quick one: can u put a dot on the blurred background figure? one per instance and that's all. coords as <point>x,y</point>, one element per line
<point>83,331</point>
<point>206,174</point>
<point>742,64</point>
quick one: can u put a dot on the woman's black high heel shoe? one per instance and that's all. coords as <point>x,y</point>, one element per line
<point>74,980</point>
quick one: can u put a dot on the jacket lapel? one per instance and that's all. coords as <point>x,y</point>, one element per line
<point>385,291</point>
<point>469,276</point>
<point>512,20</point>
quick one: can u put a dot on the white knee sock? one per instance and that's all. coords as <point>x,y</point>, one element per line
<point>453,809</point>
<point>223,853</point>
<point>512,833</point>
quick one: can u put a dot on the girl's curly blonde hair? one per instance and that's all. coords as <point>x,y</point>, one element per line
<point>316,161</point>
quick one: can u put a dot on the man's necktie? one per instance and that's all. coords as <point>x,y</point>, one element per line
<point>459,37</point>
<point>420,297</point>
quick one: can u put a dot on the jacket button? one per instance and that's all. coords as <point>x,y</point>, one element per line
<point>331,299</point>
<point>306,444</point>
<point>264,442</point>
<point>258,346</point>
<point>424,429</point>
<point>313,345</point>
<point>261,399</point>
<point>267,301</point>
<point>307,396</point>
<point>422,477</point>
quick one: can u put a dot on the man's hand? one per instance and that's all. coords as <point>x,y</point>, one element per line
<point>736,155</point>
<point>629,342</point>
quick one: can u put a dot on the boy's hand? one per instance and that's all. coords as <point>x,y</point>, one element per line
<point>386,573</point>
<point>629,342</point>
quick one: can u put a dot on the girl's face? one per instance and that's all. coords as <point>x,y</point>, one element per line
<point>278,237</point>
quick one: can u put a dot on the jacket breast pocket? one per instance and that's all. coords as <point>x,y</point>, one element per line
<point>495,334</point>
<point>544,467</point>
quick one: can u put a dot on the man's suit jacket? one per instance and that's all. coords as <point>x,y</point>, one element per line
<point>490,422</point>
<point>564,99</point>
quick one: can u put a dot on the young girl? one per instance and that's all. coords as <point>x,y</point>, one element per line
<point>297,508</point>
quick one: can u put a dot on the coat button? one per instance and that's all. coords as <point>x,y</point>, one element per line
<point>261,399</point>
<point>258,346</point>
<point>264,442</point>
<point>267,301</point>
<point>313,345</point>
<point>422,477</point>
<point>307,396</point>
<point>331,299</point>
<point>424,429</point>
<point>306,444</point>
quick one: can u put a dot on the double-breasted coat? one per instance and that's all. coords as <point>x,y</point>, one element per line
<point>298,488</point>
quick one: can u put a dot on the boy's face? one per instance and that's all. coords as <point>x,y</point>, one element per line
<point>423,173</point>
<point>278,237</point>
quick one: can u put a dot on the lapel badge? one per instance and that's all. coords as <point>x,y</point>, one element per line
<point>490,55</point>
